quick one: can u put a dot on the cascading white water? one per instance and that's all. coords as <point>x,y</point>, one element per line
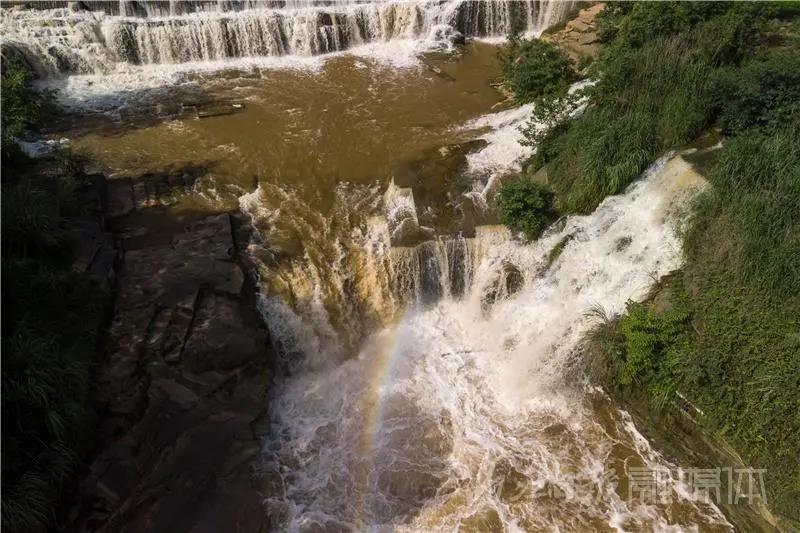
<point>64,41</point>
<point>459,407</point>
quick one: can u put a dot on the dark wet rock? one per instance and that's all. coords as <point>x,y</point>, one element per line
<point>556,251</point>
<point>622,243</point>
<point>506,283</point>
<point>457,38</point>
<point>215,343</point>
<point>219,110</point>
<point>150,190</point>
<point>182,393</point>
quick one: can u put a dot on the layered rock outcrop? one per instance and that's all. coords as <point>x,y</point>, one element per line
<point>182,391</point>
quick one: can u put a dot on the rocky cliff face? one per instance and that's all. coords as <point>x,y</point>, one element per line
<point>578,36</point>
<point>182,390</point>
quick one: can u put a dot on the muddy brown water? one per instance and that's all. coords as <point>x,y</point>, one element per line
<point>352,120</point>
<point>304,135</point>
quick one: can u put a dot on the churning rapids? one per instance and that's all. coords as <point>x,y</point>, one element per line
<point>430,370</point>
<point>467,409</point>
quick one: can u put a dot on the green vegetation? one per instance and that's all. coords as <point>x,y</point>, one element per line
<point>763,93</point>
<point>659,79</point>
<point>534,69</point>
<point>526,206</point>
<point>52,315</point>
<point>20,111</point>
<point>723,332</point>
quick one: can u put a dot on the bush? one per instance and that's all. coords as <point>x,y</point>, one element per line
<point>634,24</point>
<point>763,93</point>
<point>51,319</point>
<point>532,69</point>
<point>20,109</point>
<point>526,206</point>
<point>52,316</point>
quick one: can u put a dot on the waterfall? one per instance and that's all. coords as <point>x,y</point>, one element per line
<point>455,409</point>
<point>101,37</point>
<point>432,382</point>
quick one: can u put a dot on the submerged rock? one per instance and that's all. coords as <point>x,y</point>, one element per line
<point>506,283</point>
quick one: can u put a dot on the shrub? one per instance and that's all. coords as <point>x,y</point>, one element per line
<point>20,109</point>
<point>533,68</point>
<point>762,93</point>
<point>51,322</point>
<point>649,336</point>
<point>525,206</point>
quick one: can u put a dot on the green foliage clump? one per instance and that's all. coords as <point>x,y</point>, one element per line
<point>633,24</point>
<point>648,338</point>
<point>526,206</point>
<point>762,93</point>
<point>20,109</point>
<point>533,69</point>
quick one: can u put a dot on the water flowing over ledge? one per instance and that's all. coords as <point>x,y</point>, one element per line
<point>99,38</point>
<point>459,409</point>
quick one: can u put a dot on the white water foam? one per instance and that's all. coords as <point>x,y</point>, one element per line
<point>462,412</point>
<point>504,152</point>
<point>126,88</point>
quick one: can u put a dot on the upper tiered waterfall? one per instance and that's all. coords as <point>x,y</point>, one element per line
<point>87,37</point>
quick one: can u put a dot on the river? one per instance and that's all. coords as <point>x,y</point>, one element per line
<point>430,371</point>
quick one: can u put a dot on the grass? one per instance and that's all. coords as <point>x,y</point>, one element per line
<point>51,319</point>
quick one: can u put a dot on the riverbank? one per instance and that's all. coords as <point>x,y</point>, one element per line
<point>720,335</point>
<point>136,367</point>
<point>182,387</point>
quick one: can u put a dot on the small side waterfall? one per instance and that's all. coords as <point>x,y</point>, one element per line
<point>99,37</point>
